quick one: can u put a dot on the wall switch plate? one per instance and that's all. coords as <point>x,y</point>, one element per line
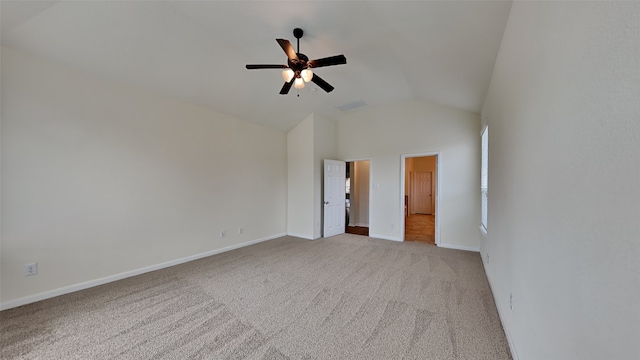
<point>223,233</point>
<point>31,269</point>
<point>240,230</point>
<point>393,226</point>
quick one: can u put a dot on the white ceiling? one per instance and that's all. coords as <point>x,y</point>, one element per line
<point>438,51</point>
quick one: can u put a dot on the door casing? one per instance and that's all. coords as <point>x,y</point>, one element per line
<point>438,176</point>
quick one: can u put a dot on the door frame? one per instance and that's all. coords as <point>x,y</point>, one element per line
<point>438,176</point>
<point>370,186</point>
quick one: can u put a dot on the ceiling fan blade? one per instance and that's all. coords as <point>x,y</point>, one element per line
<point>251,67</point>
<point>288,49</point>
<point>321,83</point>
<point>286,87</point>
<point>328,61</point>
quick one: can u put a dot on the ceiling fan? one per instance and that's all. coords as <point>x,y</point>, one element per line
<point>298,71</point>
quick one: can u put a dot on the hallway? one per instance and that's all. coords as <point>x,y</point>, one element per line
<point>420,228</point>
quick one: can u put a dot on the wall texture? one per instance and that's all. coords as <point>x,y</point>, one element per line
<point>385,134</point>
<point>100,179</point>
<point>563,112</point>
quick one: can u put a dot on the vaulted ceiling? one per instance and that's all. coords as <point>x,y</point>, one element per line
<point>196,51</point>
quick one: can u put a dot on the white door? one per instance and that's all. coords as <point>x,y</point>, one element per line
<point>422,192</point>
<point>334,197</point>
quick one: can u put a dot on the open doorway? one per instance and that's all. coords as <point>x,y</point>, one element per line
<point>357,197</point>
<point>420,198</point>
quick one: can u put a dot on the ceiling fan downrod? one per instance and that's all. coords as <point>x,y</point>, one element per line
<point>297,33</point>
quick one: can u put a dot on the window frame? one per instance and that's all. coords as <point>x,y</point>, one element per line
<point>484,179</point>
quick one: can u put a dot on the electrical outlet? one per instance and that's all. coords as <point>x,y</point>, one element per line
<point>223,233</point>
<point>31,269</point>
<point>240,230</point>
<point>487,258</point>
<point>393,226</point>
<point>511,301</point>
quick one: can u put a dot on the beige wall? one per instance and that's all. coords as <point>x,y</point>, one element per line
<point>309,143</point>
<point>359,215</point>
<point>300,180</point>
<point>408,169</point>
<point>563,112</point>
<point>385,134</point>
<point>324,147</point>
<point>100,179</point>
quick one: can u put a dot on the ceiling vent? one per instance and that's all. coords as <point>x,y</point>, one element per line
<point>352,105</point>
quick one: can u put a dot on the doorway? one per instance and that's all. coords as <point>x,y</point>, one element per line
<point>358,175</point>
<point>420,198</point>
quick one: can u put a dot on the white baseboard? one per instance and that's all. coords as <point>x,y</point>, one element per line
<point>512,345</point>
<point>385,237</point>
<point>362,224</point>
<point>459,247</point>
<point>301,236</point>
<point>92,283</point>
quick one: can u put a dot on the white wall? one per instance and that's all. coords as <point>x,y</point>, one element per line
<point>301,178</point>
<point>384,134</point>
<point>101,179</point>
<point>324,147</point>
<point>309,143</point>
<point>564,161</point>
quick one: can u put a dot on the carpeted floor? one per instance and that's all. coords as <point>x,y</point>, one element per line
<point>345,297</point>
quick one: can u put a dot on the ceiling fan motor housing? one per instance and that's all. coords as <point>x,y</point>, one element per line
<point>300,64</point>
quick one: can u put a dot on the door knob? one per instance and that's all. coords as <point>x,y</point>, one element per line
<point>326,203</point>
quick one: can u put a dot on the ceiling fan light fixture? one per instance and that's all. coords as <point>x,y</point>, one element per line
<point>306,75</point>
<point>287,74</point>
<point>298,83</point>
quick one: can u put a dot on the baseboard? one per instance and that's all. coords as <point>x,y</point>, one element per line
<point>301,236</point>
<point>459,247</point>
<point>92,283</point>
<point>385,237</point>
<point>512,346</point>
<point>362,224</point>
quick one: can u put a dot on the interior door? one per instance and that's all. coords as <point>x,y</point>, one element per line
<point>423,196</point>
<point>334,197</point>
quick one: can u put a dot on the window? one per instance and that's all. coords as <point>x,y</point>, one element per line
<point>484,167</point>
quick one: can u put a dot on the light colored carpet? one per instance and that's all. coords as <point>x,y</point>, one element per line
<point>345,297</point>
